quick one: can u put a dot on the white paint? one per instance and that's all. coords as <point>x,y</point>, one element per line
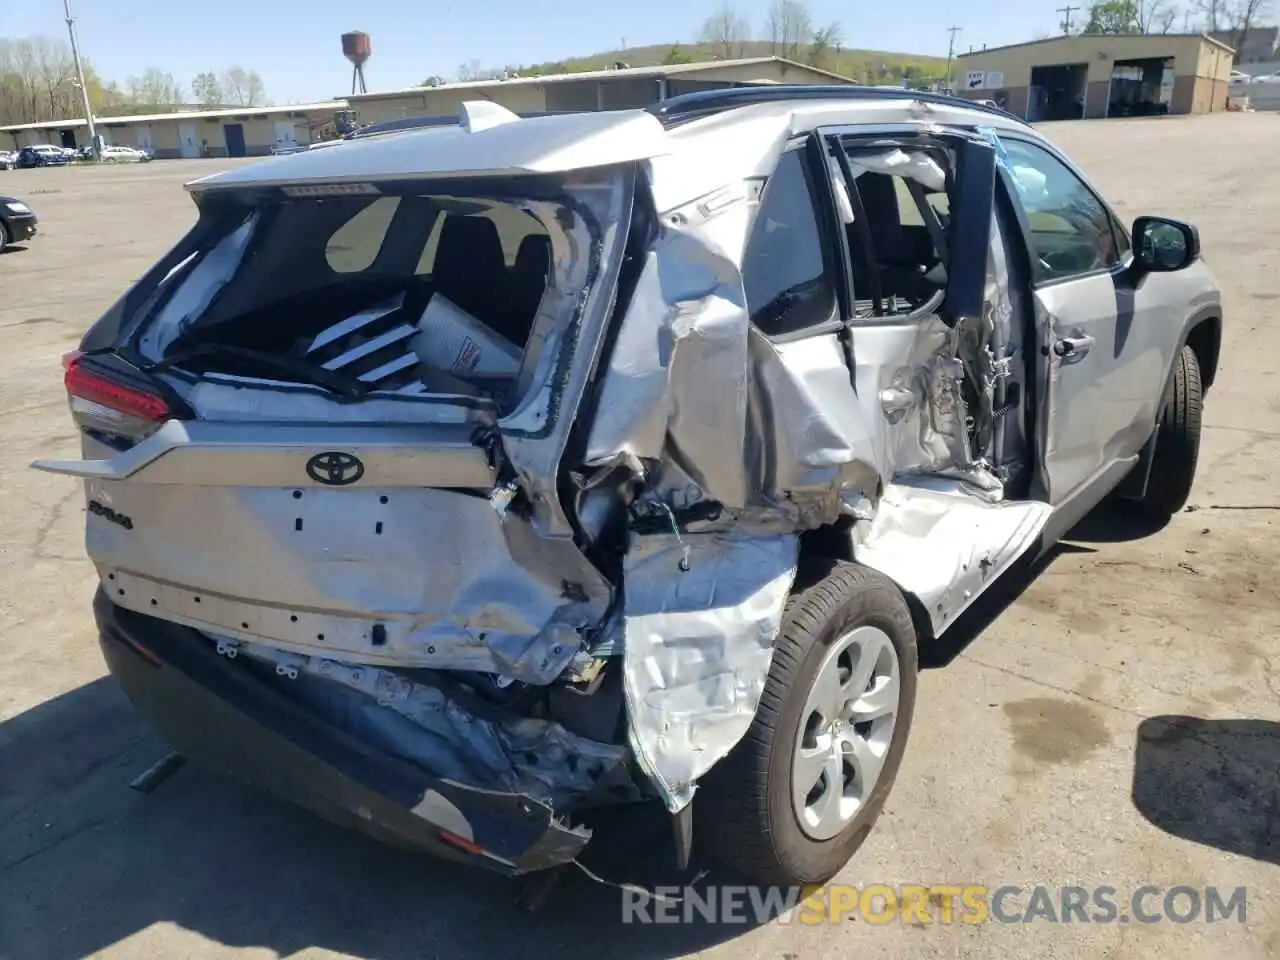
<point>188,141</point>
<point>286,134</point>
<point>477,115</point>
<point>530,146</point>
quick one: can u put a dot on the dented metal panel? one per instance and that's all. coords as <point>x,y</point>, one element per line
<point>535,757</point>
<point>463,550</point>
<point>698,644</point>
<point>445,581</point>
<point>945,546</point>
<point>813,443</point>
<point>687,318</point>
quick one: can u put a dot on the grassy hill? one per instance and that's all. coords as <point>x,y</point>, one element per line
<point>868,66</point>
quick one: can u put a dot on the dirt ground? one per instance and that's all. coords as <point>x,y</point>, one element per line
<point>1116,723</point>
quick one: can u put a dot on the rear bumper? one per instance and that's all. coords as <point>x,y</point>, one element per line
<point>21,227</point>
<point>225,716</point>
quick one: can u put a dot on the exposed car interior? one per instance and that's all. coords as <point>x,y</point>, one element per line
<point>356,290</point>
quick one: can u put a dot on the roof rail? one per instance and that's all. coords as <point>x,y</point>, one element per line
<point>694,106</point>
<point>418,123</point>
<point>393,126</point>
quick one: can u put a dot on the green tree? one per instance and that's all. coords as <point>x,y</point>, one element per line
<point>208,89</point>
<point>1113,16</point>
<point>244,87</point>
<point>677,54</point>
<point>154,89</point>
<point>825,46</point>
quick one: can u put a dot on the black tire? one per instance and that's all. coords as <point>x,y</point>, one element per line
<point>4,237</point>
<point>743,811</point>
<point>1177,441</point>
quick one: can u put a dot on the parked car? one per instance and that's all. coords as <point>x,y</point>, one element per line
<point>120,154</point>
<point>42,156</point>
<point>460,481</point>
<point>17,222</point>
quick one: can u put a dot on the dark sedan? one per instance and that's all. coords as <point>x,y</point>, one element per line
<point>42,156</point>
<point>17,222</point>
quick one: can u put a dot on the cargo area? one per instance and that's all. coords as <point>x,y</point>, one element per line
<point>389,290</point>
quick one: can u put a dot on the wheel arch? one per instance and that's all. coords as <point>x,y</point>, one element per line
<point>834,542</point>
<point>1204,336</point>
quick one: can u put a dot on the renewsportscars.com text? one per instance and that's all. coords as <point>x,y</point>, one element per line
<point>936,904</point>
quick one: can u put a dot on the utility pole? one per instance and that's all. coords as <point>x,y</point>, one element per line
<point>951,50</point>
<point>84,90</point>
<point>1066,18</point>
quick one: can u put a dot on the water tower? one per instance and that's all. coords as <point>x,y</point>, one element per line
<point>357,49</point>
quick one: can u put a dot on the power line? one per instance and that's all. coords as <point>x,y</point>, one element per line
<point>1066,17</point>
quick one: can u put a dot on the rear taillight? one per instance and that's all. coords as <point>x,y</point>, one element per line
<point>107,404</point>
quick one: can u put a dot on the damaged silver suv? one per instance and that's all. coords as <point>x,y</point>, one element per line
<point>457,482</point>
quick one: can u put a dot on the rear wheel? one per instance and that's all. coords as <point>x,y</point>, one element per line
<point>4,237</point>
<point>1177,441</point>
<point>796,798</point>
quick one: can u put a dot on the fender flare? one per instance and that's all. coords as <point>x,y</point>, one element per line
<point>1207,345</point>
<point>1208,349</point>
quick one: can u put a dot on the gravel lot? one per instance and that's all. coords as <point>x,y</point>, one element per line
<point>1117,722</point>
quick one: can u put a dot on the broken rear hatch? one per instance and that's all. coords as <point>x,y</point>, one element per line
<point>332,419</point>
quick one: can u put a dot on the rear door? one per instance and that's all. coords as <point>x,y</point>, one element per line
<point>1095,414</point>
<point>234,135</point>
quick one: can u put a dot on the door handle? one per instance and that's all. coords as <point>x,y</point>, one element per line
<point>1072,349</point>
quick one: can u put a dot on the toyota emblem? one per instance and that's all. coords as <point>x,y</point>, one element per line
<point>335,469</point>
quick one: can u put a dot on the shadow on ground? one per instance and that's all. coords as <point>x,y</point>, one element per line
<point>1110,522</point>
<point>1115,521</point>
<point>85,863</point>
<point>1215,782</point>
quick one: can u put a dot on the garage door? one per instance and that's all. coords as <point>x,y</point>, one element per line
<point>143,133</point>
<point>286,135</point>
<point>187,142</point>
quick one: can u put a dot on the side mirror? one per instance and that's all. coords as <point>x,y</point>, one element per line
<point>1163,246</point>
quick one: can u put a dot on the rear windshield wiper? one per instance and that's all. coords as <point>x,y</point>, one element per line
<point>301,370</point>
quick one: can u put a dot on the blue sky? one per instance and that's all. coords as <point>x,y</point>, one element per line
<point>294,43</point>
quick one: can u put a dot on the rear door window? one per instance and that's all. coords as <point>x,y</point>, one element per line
<point>787,275</point>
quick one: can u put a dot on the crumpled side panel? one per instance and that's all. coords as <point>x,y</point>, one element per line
<point>1009,316</point>
<point>940,543</point>
<point>808,437</point>
<point>535,757</point>
<point>910,371</point>
<point>697,647</point>
<point>687,318</point>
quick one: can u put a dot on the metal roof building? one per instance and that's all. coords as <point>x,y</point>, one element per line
<point>617,89</point>
<point>1100,75</point>
<point>234,132</point>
